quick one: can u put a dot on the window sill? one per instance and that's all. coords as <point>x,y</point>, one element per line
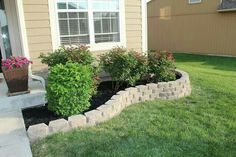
<point>192,3</point>
<point>226,10</point>
<point>105,46</point>
<point>102,46</point>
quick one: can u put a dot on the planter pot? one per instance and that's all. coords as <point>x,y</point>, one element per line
<point>17,80</point>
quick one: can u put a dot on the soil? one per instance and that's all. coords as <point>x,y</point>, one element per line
<point>41,114</point>
<point>104,93</point>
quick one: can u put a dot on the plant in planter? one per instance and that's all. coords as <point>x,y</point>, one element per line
<point>15,71</point>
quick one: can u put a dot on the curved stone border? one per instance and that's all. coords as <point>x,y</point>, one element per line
<point>163,90</point>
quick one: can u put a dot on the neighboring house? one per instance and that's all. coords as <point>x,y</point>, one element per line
<point>31,27</point>
<point>195,26</point>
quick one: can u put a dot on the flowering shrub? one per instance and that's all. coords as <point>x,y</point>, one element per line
<point>15,62</point>
<point>124,66</point>
<point>76,54</point>
<point>161,66</point>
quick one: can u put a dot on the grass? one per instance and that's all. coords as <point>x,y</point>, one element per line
<point>202,125</point>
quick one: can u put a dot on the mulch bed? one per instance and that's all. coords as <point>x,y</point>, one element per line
<point>105,91</point>
<point>41,114</point>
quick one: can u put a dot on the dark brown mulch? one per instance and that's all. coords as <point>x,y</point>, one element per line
<point>41,114</point>
<point>105,91</point>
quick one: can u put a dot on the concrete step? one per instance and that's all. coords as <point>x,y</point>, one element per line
<point>36,97</point>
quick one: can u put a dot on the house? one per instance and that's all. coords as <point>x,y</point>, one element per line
<point>195,26</point>
<point>31,27</point>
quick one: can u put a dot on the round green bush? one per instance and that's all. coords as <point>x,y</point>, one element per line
<point>70,88</point>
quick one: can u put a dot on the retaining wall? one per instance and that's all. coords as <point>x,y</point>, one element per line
<point>130,96</point>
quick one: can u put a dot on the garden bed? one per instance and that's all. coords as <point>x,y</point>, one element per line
<point>104,93</point>
<point>119,101</point>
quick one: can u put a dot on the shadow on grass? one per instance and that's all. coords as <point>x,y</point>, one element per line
<point>220,63</point>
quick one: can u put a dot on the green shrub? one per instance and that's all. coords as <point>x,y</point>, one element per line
<point>77,54</point>
<point>124,66</point>
<point>161,66</point>
<point>69,89</point>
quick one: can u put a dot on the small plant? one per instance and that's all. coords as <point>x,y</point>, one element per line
<point>15,62</point>
<point>161,66</point>
<point>70,88</point>
<point>77,54</point>
<point>124,66</point>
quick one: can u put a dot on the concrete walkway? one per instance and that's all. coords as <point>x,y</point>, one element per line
<point>13,138</point>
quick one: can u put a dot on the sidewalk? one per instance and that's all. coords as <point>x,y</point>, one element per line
<point>13,139</point>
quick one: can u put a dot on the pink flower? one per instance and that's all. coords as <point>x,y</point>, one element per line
<point>15,62</point>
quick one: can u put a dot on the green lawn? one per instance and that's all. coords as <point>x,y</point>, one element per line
<point>202,125</point>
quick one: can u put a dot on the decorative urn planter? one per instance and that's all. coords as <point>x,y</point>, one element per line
<point>15,72</point>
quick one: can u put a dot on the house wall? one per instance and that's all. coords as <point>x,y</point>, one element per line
<point>133,12</point>
<point>198,28</point>
<point>39,31</point>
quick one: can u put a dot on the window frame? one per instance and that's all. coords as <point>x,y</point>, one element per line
<point>54,19</point>
<point>199,1</point>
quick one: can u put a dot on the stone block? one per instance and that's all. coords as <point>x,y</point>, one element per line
<point>144,98</point>
<point>123,93</point>
<point>94,117</point>
<point>162,85</point>
<point>117,98</point>
<point>142,88</point>
<point>172,97</point>
<point>152,86</point>
<point>77,121</point>
<point>37,132</point>
<point>164,95</point>
<point>131,90</point>
<point>168,89</point>
<point>60,125</point>
<point>135,98</point>
<point>107,112</point>
<point>114,103</point>
<point>171,84</point>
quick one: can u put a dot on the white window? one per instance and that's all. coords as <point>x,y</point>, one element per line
<point>194,1</point>
<point>106,20</point>
<point>73,22</point>
<point>97,23</point>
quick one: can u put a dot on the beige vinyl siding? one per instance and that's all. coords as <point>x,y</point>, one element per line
<point>133,13</point>
<point>38,30</point>
<point>196,28</point>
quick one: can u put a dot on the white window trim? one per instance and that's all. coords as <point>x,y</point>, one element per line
<point>144,27</point>
<point>199,1</point>
<point>93,46</point>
